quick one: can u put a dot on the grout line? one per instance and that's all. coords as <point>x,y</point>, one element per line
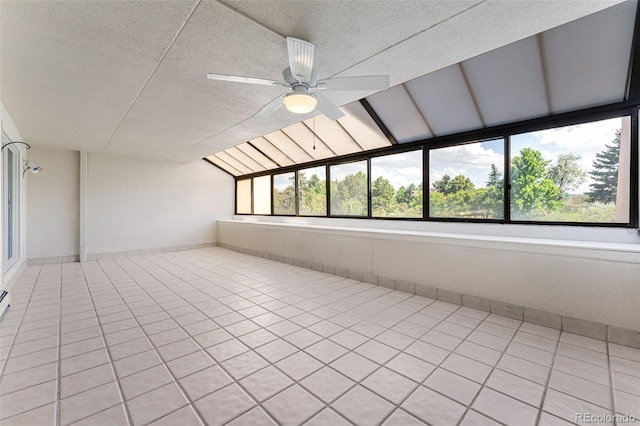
<point>147,282</point>
<point>59,357</point>
<point>176,381</point>
<point>106,348</point>
<point>612,392</point>
<point>484,383</point>
<point>546,385</point>
<point>20,322</point>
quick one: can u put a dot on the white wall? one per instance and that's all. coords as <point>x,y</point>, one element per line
<point>52,203</point>
<point>593,281</point>
<point>132,203</point>
<point>142,204</point>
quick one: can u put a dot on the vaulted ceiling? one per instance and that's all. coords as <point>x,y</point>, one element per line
<point>129,77</point>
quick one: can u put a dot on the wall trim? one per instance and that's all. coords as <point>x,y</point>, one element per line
<point>557,321</point>
<point>110,255</point>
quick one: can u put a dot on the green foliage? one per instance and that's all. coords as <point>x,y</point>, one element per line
<point>605,172</point>
<point>387,202</point>
<point>449,186</point>
<point>567,173</point>
<point>349,195</point>
<point>495,178</point>
<point>532,189</point>
<point>537,192</point>
<point>313,195</point>
<point>458,197</point>
<point>284,201</point>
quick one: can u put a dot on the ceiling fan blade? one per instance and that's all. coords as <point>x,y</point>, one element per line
<point>369,82</point>
<point>327,107</point>
<point>300,58</point>
<point>239,79</point>
<point>270,108</point>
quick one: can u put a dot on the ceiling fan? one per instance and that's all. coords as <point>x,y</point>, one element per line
<point>302,79</point>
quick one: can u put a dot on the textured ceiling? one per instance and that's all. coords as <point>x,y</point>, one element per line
<point>581,64</point>
<point>129,77</point>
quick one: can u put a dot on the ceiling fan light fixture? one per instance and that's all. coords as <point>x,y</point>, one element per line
<point>300,103</point>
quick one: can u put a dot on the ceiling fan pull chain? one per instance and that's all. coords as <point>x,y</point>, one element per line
<point>314,132</point>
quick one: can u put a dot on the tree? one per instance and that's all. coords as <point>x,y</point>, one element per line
<point>567,173</point>
<point>284,201</point>
<point>349,195</point>
<point>449,186</point>
<point>532,189</point>
<point>440,185</point>
<point>495,178</point>
<point>383,196</point>
<point>312,194</point>
<point>605,173</point>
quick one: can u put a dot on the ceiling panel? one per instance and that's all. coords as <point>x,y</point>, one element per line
<point>332,133</point>
<point>592,49</point>
<point>286,145</point>
<point>257,156</point>
<point>71,69</point>
<point>75,73</point>
<point>306,139</point>
<point>267,147</point>
<point>359,124</point>
<point>508,83</point>
<point>245,159</point>
<point>401,116</point>
<point>444,99</point>
<point>244,169</point>
<point>329,25</point>
<point>218,162</point>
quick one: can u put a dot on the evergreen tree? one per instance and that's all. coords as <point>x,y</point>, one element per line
<point>495,178</point>
<point>605,173</point>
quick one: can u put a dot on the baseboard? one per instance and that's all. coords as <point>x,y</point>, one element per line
<point>569,324</point>
<point>100,256</point>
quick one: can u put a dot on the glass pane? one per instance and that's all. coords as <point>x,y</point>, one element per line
<point>284,194</point>
<point>396,185</point>
<point>467,181</point>
<point>312,191</point>
<point>243,196</point>
<point>262,195</point>
<point>572,174</point>
<point>349,189</point>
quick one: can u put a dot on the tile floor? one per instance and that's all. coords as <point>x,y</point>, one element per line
<point>216,337</point>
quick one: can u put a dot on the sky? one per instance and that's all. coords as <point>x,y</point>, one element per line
<point>471,160</point>
<point>585,140</point>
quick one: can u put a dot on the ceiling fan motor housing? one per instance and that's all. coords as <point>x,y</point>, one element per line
<point>291,80</point>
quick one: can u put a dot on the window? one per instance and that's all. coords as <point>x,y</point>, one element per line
<point>467,181</point>
<point>572,173</point>
<point>579,174</point>
<point>262,195</point>
<point>396,185</point>
<point>312,191</point>
<point>243,196</point>
<point>349,189</point>
<point>11,203</point>
<point>284,194</point>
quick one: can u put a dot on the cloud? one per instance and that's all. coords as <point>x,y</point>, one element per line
<point>588,137</point>
<point>472,160</point>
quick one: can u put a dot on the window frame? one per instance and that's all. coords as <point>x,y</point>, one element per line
<point>14,187</point>
<point>505,132</point>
